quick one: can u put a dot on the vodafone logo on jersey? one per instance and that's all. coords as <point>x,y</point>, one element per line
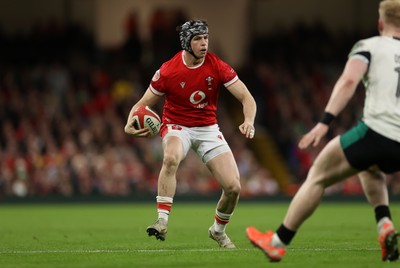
<point>197,97</point>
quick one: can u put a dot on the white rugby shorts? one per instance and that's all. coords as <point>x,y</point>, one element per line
<point>208,142</point>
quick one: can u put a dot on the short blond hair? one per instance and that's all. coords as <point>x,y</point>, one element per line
<point>389,11</point>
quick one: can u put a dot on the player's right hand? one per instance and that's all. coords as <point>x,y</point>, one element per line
<point>138,133</point>
<point>314,136</point>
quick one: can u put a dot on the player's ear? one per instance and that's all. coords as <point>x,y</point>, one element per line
<point>380,25</point>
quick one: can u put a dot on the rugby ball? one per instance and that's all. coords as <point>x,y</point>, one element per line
<point>145,117</point>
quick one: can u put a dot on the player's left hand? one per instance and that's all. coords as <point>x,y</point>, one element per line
<point>248,130</point>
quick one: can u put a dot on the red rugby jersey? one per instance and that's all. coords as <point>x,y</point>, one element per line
<point>191,93</point>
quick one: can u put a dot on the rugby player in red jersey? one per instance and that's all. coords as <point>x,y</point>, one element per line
<point>190,83</point>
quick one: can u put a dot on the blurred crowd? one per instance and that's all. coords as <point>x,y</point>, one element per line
<point>64,102</point>
<point>63,107</point>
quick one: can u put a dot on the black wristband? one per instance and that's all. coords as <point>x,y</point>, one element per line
<point>327,118</point>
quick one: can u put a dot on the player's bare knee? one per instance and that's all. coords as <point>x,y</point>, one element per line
<point>317,180</point>
<point>233,190</point>
<point>171,161</point>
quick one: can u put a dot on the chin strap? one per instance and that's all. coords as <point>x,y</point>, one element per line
<point>191,52</point>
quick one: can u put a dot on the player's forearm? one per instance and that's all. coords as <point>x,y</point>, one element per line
<point>341,95</point>
<point>249,109</point>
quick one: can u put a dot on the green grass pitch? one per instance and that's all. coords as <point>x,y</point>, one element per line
<point>113,235</point>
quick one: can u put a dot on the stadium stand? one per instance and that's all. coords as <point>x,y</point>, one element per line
<point>63,103</point>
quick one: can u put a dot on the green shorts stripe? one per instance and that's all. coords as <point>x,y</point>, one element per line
<point>364,148</point>
<point>354,134</point>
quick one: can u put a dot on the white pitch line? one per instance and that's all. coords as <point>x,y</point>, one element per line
<point>169,250</point>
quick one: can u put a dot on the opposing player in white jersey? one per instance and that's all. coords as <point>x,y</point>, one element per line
<point>190,83</point>
<point>369,149</point>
